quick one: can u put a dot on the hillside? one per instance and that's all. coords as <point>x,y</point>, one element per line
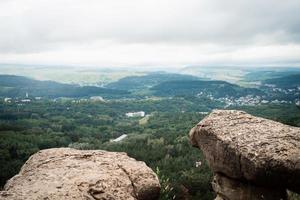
<point>18,86</point>
<point>262,74</point>
<point>217,89</point>
<point>68,74</point>
<point>285,81</point>
<point>147,81</point>
<point>229,74</point>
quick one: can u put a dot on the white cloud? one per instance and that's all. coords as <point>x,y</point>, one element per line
<point>144,32</point>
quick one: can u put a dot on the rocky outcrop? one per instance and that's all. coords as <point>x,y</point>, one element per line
<point>250,153</point>
<point>232,189</point>
<point>65,173</point>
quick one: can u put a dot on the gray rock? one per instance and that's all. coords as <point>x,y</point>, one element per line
<point>249,148</point>
<point>65,173</point>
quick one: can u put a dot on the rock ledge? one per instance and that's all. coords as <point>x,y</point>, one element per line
<point>64,173</point>
<point>250,149</point>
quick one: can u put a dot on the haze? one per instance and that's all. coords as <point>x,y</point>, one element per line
<point>170,33</point>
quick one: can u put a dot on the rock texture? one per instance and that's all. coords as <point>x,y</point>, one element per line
<point>250,149</point>
<point>232,189</point>
<point>65,173</point>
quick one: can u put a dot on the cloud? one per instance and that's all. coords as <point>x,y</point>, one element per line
<point>156,32</point>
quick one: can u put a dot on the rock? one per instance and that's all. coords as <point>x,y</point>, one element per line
<point>232,189</point>
<point>65,173</point>
<point>250,149</point>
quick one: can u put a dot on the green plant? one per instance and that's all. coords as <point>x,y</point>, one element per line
<point>167,191</point>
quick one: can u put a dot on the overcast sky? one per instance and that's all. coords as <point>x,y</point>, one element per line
<point>150,32</point>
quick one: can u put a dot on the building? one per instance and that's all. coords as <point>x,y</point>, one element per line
<point>25,100</point>
<point>203,113</point>
<point>97,98</point>
<point>136,114</point>
<point>7,100</point>
<point>122,137</point>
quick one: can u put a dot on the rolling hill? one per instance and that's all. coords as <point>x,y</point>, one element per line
<point>290,81</point>
<point>217,89</point>
<point>18,86</point>
<point>133,83</point>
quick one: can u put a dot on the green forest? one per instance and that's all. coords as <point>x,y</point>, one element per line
<point>37,115</point>
<point>160,139</point>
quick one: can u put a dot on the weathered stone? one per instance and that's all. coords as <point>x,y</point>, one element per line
<point>249,148</point>
<point>228,188</point>
<point>65,173</point>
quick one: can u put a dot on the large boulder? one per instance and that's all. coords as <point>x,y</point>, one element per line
<point>250,149</point>
<point>231,189</point>
<point>65,173</point>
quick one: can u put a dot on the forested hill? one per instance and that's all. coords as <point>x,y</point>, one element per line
<point>147,81</point>
<point>157,84</point>
<point>286,81</point>
<point>18,86</point>
<point>217,89</point>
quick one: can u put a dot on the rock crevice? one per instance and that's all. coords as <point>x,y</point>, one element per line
<point>132,182</point>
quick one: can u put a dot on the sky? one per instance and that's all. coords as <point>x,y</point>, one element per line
<point>147,33</point>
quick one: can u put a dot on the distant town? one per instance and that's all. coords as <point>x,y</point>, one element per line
<point>249,100</point>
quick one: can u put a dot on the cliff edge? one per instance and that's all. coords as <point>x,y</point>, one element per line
<point>64,173</point>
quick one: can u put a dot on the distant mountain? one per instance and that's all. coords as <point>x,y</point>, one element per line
<point>290,81</point>
<point>215,88</point>
<point>143,82</point>
<point>18,86</point>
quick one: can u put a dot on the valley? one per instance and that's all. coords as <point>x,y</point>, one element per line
<point>38,115</point>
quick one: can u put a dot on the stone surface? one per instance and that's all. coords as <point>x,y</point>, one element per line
<point>65,173</point>
<point>249,148</point>
<point>228,188</point>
